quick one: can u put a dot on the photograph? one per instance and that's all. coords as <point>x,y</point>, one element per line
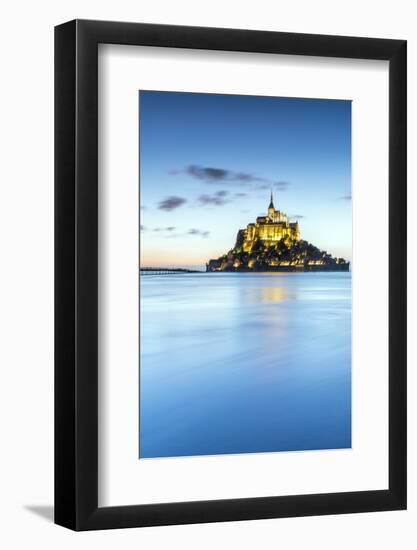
<point>245,247</point>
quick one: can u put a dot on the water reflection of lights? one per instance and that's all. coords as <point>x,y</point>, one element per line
<point>271,294</point>
<point>267,295</point>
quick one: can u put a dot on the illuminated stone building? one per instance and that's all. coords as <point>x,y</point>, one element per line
<point>269,229</point>
<point>274,244</point>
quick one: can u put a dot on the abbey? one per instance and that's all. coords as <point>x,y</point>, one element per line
<point>268,229</point>
<point>274,244</point>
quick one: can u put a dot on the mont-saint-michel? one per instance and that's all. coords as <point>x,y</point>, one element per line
<point>245,312</point>
<point>273,243</point>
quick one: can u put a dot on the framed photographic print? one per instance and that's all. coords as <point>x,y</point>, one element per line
<point>230,253</point>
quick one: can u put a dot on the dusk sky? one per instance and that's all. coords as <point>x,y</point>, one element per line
<point>208,163</point>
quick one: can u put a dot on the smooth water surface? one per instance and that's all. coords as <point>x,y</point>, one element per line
<point>244,362</point>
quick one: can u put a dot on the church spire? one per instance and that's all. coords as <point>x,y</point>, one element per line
<point>271,204</point>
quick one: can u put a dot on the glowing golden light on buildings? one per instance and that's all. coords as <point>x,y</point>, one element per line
<point>270,229</point>
<point>273,243</point>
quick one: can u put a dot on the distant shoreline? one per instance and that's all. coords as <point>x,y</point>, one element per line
<point>292,269</point>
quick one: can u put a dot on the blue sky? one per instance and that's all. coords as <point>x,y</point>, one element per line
<point>208,163</point>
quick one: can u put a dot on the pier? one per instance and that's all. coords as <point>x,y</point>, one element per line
<point>166,271</point>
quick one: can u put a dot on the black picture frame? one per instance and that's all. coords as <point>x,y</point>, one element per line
<point>76,273</point>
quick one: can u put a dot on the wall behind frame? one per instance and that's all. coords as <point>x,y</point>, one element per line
<point>26,290</point>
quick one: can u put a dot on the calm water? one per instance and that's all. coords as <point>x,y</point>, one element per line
<point>242,363</point>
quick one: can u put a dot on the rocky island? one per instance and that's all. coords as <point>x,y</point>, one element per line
<point>274,244</point>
